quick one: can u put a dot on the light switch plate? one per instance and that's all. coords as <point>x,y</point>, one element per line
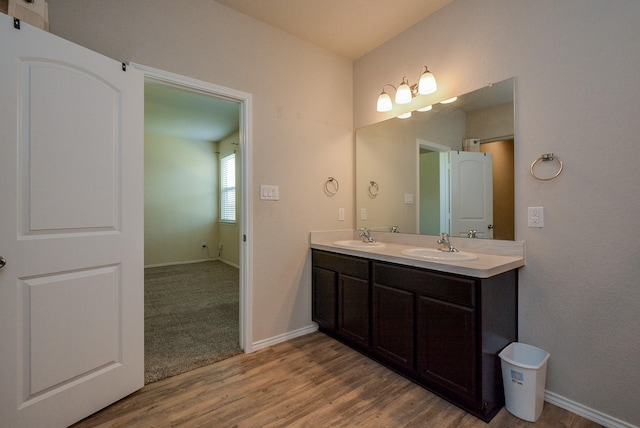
<point>536,217</point>
<point>269,192</point>
<point>340,214</point>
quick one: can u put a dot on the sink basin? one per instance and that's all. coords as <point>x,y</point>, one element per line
<point>435,255</point>
<point>358,244</point>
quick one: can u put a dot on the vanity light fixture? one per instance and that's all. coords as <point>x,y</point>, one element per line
<point>425,108</point>
<point>405,92</point>
<point>448,100</point>
<point>406,115</point>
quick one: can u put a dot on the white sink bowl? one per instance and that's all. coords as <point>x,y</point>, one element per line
<point>436,255</point>
<point>358,244</point>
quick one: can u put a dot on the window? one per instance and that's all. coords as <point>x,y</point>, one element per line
<point>228,188</point>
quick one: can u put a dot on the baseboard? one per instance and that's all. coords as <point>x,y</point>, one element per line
<point>585,411</point>
<point>226,262</point>
<point>283,337</point>
<point>182,263</point>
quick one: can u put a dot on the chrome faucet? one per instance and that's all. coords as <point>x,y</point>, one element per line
<point>472,233</point>
<point>445,245</point>
<point>366,235</point>
<point>394,229</point>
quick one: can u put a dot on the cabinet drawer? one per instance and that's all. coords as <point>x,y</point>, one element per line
<point>352,266</point>
<point>426,283</point>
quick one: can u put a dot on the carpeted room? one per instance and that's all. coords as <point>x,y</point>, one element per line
<point>191,317</point>
<point>191,249</point>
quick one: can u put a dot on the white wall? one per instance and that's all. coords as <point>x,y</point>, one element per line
<point>577,94</point>
<point>180,199</point>
<point>302,123</point>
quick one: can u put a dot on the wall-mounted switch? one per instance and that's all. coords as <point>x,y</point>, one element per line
<point>341,214</point>
<point>269,192</point>
<point>363,214</point>
<point>535,217</point>
<point>408,198</point>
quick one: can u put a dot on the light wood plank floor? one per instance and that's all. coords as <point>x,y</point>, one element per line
<point>310,381</point>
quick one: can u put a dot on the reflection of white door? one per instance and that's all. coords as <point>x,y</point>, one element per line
<point>71,229</point>
<point>471,194</point>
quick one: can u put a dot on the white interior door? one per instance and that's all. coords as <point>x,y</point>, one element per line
<point>471,194</point>
<point>71,229</point>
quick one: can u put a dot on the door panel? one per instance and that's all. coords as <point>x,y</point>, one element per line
<point>72,327</point>
<point>471,194</point>
<point>393,325</point>
<point>71,229</point>
<point>54,198</point>
<point>354,309</point>
<point>446,345</point>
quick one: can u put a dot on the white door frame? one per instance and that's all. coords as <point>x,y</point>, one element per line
<point>444,182</point>
<point>246,253</point>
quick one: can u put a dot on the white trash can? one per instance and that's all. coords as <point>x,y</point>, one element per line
<point>524,372</point>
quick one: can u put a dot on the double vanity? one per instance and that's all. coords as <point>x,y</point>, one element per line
<point>438,318</point>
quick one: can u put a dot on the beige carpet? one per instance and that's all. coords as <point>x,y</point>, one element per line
<point>191,315</point>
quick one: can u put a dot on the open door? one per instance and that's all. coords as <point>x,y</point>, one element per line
<point>71,229</point>
<point>471,194</point>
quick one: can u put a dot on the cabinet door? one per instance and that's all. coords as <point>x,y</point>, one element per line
<point>446,341</point>
<point>354,309</point>
<point>393,325</point>
<point>325,295</point>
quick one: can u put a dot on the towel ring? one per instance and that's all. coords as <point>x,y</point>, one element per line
<point>336,186</point>
<point>545,158</point>
<point>373,189</point>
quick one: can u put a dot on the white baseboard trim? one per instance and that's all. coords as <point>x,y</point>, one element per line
<point>585,411</point>
<point>264,343</point>
<point>226,262</point>
<point>181,263</point>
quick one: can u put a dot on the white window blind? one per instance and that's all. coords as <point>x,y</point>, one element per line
<point>228,188</point>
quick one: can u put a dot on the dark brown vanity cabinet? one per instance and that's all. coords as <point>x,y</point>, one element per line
<point>341,296</point>
<point>393,326</point>
<point>443,331</point>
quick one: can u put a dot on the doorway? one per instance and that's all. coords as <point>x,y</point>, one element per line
<point>197,125</point>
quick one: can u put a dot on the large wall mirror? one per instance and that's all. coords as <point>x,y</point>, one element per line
<point>449,169</point>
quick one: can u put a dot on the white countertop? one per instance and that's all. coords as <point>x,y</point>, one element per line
<point>488,263</point>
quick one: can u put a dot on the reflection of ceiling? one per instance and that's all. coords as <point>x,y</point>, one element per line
<point>489,96</point>
<point>179,113</point>
<point>350,28</point>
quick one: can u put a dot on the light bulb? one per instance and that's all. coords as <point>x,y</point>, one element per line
<point>405,115</point>
<point>384,102</point>
<point>425,108</point>
<point>403,94</point>
<point>427,84</point>
<point>448,100</point>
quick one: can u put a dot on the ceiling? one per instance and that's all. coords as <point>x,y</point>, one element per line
<point>184,114</point>
<point>350,28</point>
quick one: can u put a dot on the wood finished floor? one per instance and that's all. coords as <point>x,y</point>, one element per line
<point>310,381</point>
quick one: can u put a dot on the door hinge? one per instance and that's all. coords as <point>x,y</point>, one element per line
<point>244,238</point>
<point>16,23</point>
<point>124,67</point>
